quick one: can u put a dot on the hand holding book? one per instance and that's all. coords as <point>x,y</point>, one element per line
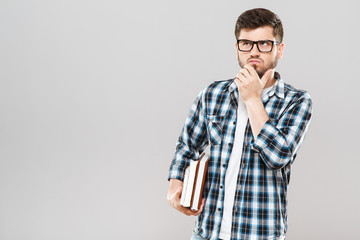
<point>186,196</point>
<point>194,181</point>
<point>174,195</point>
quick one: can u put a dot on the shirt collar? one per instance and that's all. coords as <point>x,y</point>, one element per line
<point>278,88</point>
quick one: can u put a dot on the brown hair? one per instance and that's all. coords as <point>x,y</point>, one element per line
<point>259,17</point>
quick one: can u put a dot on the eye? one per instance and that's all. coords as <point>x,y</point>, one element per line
<point>245,43</point>
<point>265,43</point>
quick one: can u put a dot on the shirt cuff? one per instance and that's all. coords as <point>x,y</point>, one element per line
<point>265,137</point>
<point>176,174</point>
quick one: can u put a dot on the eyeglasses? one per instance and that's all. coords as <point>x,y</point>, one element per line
<point>264,46</point>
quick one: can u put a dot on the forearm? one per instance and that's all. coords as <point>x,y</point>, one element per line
<point>174,186</point>
<point>257,115</point>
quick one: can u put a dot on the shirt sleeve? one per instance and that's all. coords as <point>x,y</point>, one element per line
<point>278,143</point>
<point>192,140</point>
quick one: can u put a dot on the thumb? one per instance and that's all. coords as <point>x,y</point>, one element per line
<point>178,192</point>
<point>268,74</point>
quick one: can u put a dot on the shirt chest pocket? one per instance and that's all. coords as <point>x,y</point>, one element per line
<point>215,128</point>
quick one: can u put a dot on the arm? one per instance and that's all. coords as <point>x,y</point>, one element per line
<point>192,141</point>
<point>257,115</point>
<point>278,143</point>
<point>250,87</point>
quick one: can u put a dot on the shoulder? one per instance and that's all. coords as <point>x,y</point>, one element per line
<point>296,101</point>
<point>218,86</point>
<point>296,94</point>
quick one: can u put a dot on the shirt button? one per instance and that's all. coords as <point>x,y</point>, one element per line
<point>223,165</point>
<point>236,211</point>
<point>219,209</point>
<point>234,122</point>
<point>221,187</point>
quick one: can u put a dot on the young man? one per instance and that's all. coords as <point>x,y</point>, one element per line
<point>254,125</point>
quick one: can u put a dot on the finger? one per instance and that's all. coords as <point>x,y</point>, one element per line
<point>201,207</point>
<point>267,76</point>
<point>237,77</point>
<point>239,82</point>
<point>251,70</point>
<point>195,213</point>
<point>182,209</point>
<point>176,195</point>
<point>189,212</point>
<point>242,78</point>
<point>185,210</point>
<point>245,72</point>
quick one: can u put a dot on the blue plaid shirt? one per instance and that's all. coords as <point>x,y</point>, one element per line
<point>259,210</point>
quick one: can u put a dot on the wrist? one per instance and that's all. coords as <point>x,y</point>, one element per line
<point>252,101</point>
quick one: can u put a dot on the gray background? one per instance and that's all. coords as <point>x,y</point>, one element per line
<point>93,96</point>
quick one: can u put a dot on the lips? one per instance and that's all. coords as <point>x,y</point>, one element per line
<point>254,61</point>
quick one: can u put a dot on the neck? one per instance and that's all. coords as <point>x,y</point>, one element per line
<point>270,82</point>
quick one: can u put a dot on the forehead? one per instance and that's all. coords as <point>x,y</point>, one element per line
<point>261,33</point>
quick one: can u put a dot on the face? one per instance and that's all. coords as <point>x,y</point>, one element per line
<point>259,60</point>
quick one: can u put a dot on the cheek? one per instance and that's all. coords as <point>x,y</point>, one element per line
<point>271,58</point>
<point>243,56</point>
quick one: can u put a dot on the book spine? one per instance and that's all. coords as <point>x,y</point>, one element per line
<point>202,185</point>
<point>194,186</point>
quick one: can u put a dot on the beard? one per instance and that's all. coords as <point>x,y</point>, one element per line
<point>259,68</point>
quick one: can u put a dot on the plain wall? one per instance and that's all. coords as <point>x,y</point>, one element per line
<point>93,96</point>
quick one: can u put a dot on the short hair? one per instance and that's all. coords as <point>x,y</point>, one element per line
<point>259,17</point>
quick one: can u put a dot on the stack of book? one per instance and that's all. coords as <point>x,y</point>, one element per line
<point>194,180</point>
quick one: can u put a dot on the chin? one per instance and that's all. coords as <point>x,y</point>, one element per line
<point>260,73</point>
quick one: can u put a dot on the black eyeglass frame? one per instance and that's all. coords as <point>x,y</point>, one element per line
<point>256,42</point>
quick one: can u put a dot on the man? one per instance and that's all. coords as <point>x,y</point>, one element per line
<point>254,125</point>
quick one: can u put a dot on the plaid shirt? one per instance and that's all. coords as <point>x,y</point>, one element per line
<point>259,210</point>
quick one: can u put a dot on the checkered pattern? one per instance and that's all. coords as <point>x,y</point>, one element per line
<point>259,210</point>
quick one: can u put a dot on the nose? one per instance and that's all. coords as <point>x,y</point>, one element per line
<point>255,51</point>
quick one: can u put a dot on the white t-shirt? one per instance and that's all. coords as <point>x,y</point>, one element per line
<point>232,170</point>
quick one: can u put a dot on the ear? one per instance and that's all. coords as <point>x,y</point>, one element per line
<point>280,50</point>
<point>236,50</point>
